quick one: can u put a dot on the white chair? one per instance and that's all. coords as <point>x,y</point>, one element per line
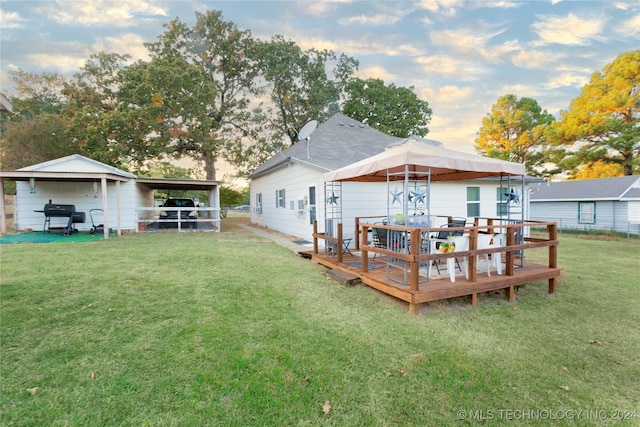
<point>499,241</point>
<point>489,241</point>
<point>461,245</point>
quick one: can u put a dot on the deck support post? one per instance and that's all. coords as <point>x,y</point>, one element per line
<point>315,239</point>
<point>474,300</point>
<point>509,293</point>
<point>414,250</point>
<point>365,254</point>
<point>339,244</point>
<point>552,229</point>
<point>414,308</point>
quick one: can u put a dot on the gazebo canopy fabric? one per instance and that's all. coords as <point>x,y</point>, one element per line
<point>414,158</point>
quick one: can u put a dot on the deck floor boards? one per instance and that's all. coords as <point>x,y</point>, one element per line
<point>391,282</point>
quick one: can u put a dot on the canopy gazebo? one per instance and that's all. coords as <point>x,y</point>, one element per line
<point>414,163</point>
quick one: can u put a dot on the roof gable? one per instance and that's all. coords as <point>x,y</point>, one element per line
<point>590,189</point>
<point>76,163</point>
<point>335,143</point>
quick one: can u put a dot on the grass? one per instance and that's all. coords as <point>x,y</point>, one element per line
<point>231,329</point>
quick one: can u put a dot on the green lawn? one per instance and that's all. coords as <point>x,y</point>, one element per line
<point>231,329</point>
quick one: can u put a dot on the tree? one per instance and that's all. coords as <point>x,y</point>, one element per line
<point>93,111</point>
<point>35,132</point>
<point>302,89</point>
<point>603,122</point>
<point>37,93</point>
<point>34,140</point>
<point>514,130</point>
<point>598,169</point>
<point>163,111</point>
<point>393,110</point>
<point>221,52</point>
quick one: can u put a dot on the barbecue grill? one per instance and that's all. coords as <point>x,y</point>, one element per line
<point>52,210</point>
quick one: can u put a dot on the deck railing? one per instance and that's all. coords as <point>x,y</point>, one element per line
<point>409,247</point>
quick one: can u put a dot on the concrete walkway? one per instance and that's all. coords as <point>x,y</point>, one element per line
<point>287,242</point>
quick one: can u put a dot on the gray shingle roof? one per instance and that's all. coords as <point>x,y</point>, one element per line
<point>590,189</point>
<point>335,143</point>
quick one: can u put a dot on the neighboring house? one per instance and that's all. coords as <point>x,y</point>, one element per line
<point>88,184</point>
<point>288,191</point>
<point>5,105</point>
<point>594,204</point>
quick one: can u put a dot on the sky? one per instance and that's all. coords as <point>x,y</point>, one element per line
<point>459,56</point>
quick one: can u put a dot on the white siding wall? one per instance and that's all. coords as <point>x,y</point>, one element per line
<point>358,199</point>
<point>610,215</point>
<point>81,195</point>
<point>295,180</point>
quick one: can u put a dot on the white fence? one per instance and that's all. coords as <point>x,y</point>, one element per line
<point>206,218</point>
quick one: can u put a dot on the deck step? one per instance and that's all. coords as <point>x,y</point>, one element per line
<point>343,277</point>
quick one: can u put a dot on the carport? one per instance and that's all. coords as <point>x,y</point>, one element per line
<point>88,184</point>
<point>211,187</point>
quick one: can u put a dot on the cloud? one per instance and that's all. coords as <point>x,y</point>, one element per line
<point>474,42</point>
<point>449,93</point>
<point>447,66</point>
<point>568,30</point>
<point>100,12</point>
<point>130,44</point>
<point>379,19</point>
<point>10,20</point>
<point>64,62</point>
<point>566,80</point>
<point>629,27</point>
<point>535,59</point>
<point>320,8</point>
<point>72,56</point>
<point>376,72</point>
<point>443,7</point>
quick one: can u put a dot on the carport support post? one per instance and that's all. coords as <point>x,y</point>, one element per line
<point>103,182</point>
<point>3,221</point>
<point>118,223</point>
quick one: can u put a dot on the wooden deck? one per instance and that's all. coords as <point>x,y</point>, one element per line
<point>403,276</point>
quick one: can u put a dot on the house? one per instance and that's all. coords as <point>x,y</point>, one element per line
<point>125,201</point>
<point>5,105</point>
<point>594,204</point>
<point>289,191</point>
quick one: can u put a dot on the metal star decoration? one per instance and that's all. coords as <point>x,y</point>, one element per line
<point>397,196</point>
<point>419,195</point>
<point>513,196</point>
<point>333,200</point>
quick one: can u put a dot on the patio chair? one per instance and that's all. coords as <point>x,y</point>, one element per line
<point>486,241</point>
<point>461,245</point>
<point>445,234</point>
<point>379,236</point>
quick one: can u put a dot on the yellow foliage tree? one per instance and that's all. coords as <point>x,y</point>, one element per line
<point>603,122</point>
<point>599,169</point>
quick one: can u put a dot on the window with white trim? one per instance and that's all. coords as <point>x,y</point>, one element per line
<point>280,199</point>
<point>587,212</point>
<point>473,202</point>
<point>258,207</point>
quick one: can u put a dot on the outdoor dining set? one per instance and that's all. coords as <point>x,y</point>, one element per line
<point>451,238</point>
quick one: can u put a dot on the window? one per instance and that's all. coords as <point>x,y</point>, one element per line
<point>280,199</point>
<point>587,213</point>
<point>258,207</point>
<point>312,204</point>
<point>473,202</point>
<point>502,201</point>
